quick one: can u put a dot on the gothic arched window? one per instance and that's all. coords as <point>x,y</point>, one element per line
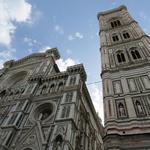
<point>121,57</point>
<point>65,112</point>
<point>115,38</point>
<point>135,53</point>
<point>115,23</point>
<point>44,111</point>
<point>126,35</point>
<point>121,110</point>
<point>52,88</point>
<point>43,89</point>
<point>58,142</point>
<point>60,86</point>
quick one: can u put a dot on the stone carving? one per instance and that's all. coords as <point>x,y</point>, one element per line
<point>58,142</point>
<point>132,85</point>
<point>117,87</point>
<point>146,82</point>
<point>121,110</point>
<point>139,107</point>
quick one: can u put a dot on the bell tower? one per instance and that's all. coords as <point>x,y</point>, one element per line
<point>125,56</point>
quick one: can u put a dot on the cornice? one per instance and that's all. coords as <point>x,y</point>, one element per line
<point>79,68</point>
<point>111,11</point>
<point>127,67</point>
<point>49,53</point>
<point>124,42</point>
<point>76,69</point>
<point>119,27</point>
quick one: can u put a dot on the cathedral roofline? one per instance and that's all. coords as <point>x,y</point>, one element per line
<point>53,52</point>
<point>111,11</point>
<point>78,68</point>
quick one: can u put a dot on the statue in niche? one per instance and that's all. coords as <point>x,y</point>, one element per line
<point>44,114</point>
<point>58,143</point>
<point>139,107</point>
<point>121,110</point>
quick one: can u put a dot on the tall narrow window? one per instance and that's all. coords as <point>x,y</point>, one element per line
<point>115,23</point>
<point>58,142</point>
<point>60,87</point>
<point>52,88</point>
<point>118,23</point>
<point>43,89</point>
<point>115,38</point>
<point>69,97</point>
<point>126,35</point>
<point>72,80</point>
<point>135,53</point>
<point>112,25</point>
<point>121,57</point>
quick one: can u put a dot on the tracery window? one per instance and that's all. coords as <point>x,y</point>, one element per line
<point>44,111</point>
<point>115,38</point>
<point>60,86</point>
<point>115,23</point>
<point>135,53</point>
<point>121,57</point>
<point>43,89</point>
<point>52,88</point>
<point>126,35</point>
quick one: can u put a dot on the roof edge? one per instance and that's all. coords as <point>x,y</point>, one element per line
<point>111,11</point>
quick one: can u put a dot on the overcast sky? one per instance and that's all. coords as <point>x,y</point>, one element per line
<point>28,26</point>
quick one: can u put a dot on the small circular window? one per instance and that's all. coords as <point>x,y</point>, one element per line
<point>43,111</point>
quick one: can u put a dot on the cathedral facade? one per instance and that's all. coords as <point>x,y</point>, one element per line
<point>125,56</point>
<point>42,108</point>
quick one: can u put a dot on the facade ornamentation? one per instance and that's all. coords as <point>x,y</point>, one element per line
<point>125,51</point>
<point>40,106</point>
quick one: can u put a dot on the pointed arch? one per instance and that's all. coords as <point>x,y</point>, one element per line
<point>120,57</point>
<point>60,86</point>
<point>115,22</point>
<point>135,53</point>
<point>58,142</point>
<point>52,88</point>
